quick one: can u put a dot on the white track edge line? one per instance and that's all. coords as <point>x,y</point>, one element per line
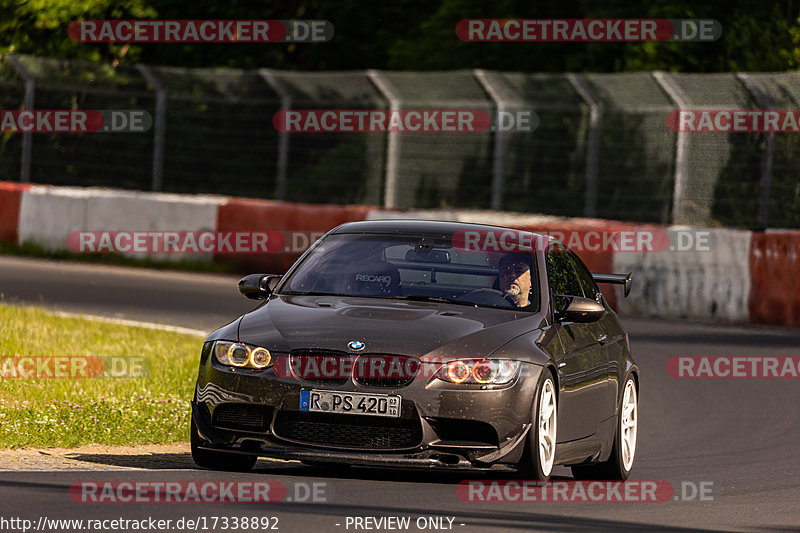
<point>128,322</point>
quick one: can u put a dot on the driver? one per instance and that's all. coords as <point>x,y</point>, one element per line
<point>515,278</point>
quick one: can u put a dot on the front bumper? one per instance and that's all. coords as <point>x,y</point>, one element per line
<point>441,425</point>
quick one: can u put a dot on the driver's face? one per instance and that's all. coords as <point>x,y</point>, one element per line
<point>515,280</point>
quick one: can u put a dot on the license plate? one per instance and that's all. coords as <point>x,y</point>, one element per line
<point>349,403</point>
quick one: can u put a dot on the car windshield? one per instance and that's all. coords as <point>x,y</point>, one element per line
<point>415,268</point>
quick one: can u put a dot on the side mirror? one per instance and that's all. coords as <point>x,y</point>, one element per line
<point>258,286</point>
<point>618,279</point>
<point>583,310</point>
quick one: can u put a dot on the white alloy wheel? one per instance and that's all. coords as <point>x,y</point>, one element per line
<point>547,426</point>
<point>628,424</point>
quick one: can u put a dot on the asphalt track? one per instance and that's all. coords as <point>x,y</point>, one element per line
<point>740,435</point>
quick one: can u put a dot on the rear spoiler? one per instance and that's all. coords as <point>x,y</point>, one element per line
<point>617,279</point>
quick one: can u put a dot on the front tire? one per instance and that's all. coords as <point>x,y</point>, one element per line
<point>228,462</point>
<point>541,447</point>
<point>620,462</point>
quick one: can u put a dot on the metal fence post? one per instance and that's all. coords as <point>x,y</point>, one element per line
<point>500,140</point>
<point>27,137</point>
<point>393,141</point>
<point>765,101</point>
<point>282,177</point>
<point>593,145</point>
<point>160,126</point>
<point>679,212</point>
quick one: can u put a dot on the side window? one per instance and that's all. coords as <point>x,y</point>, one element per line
<point>562,276</point>
<point>587,281</point>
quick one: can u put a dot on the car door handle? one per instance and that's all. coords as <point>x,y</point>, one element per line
<point>602,339</point>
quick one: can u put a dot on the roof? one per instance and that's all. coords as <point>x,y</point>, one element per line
<point>434,228</point>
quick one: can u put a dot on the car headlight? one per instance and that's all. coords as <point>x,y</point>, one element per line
<point>483,371</point>
<point>242,355</point>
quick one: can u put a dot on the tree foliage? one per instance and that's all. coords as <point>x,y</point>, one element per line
<point>419,35</point>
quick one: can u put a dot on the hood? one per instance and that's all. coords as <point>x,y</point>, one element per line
<point>399,327</point>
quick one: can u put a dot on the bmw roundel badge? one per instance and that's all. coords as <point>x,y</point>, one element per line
<point>356,345</point>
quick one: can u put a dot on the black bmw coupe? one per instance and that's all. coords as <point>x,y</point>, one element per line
<point>424,344</point>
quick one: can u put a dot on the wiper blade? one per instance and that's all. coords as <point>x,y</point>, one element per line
<point>308,293</point>
<point>439,299</point>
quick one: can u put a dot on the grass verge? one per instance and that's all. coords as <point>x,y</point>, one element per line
<point>71,412</point>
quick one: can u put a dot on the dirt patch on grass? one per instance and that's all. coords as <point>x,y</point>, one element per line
<point>99,457</point>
